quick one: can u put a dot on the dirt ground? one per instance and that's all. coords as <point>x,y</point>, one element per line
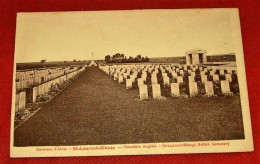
<point>95,109</point>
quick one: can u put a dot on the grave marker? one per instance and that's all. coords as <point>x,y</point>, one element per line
<point>140,82</point>
<point>191,78</point>
<point>175,90</point>
<point>204,78</point>
<point>120,79</point>
<point>193,88</point>
<point>143,92</point>
<point>215,78</point>
<point>166,81</point>
<point>22,101</point>
<point>156,91</point>
<point>179,79</point>
<point>128,83</point>
<point>154,80</point>
<point>35,93</point>
<point>228,77</point>
<point>225,87</point>
<point>221,72</point>
<point>209,88</point>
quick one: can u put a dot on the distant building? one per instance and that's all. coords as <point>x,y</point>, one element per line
<point>197,56</point>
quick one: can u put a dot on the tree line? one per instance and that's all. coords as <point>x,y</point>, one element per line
<point>121,58</point>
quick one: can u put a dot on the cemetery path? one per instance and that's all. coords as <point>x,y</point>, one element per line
<point>95,109</point>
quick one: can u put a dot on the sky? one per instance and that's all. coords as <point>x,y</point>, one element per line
<point>60,36</point>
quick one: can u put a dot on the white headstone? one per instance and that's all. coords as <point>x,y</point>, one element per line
<point>191,78</point>
<point>154,80</point>
<point>143,92</point>
<point>179,79</point>
<point>22,100</point>
<point>215,77</point>
<point>156,91</point>
<point>221,72</point>
<point>225,86</point>
<point>144,77</point>
<point>128,83</point>
<point>193,88</point>
<point>125,75</point>
<point>120,79</point>
<point>154,75</point>
<point>204,78</point>
<point>181,72</point>
<point>228,77</point>
<point>229,70</point>
<point>35,93</point>
<point>164,75</point>
<point>166,81</point>
<point>174,74</point>
<point>140,82</point>
<point>209,88</point>
<point>175,90</point>
<point>132,77</point>
<point>202,72</point>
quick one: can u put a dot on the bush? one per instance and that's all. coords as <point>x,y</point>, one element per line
<point>217,88</point>
<point>201,88</point>
<point>43,98</point>
<point>21,115</point>
<point>184,88</point>
<point>34,107</point>
<point>210,78</point>
<point>55,88</point>
<point>234,88</point>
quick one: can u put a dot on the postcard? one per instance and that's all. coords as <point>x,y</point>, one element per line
<point>129,82</point>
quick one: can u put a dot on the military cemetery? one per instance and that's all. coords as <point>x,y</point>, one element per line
<point>108,87</point>
<point>181,85</point>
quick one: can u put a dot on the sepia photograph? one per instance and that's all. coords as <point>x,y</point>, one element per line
<point>129,82</point>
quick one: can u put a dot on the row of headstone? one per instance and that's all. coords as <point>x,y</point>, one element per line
<point>40,80</point>
<point>28,79</point>
<point>42,89</point>
<point>175,91</point>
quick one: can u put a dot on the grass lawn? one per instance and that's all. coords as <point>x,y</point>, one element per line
<point>94,109</point>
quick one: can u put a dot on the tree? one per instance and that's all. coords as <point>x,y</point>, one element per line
<point>146,59</point>
<point>130,59</point>
<point>43,61</point>
<point>107,58</point>
<point>74,60</point>
<point>139,57</point>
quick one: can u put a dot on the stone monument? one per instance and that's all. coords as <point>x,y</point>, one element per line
<point>93,62</point>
